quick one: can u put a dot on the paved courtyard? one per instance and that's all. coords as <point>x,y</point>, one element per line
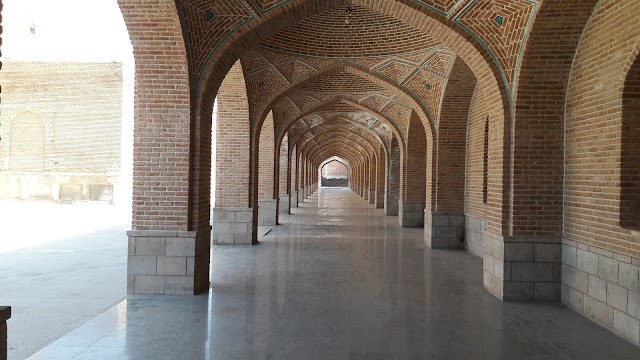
<point>60,265</point>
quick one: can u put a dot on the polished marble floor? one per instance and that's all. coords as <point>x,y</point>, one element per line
<point>339,280</point>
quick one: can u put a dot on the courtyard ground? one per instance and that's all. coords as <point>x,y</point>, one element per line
<point>60,265</point>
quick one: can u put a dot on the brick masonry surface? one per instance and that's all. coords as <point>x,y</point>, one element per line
<point>61,129</point>
<point>512,121</point>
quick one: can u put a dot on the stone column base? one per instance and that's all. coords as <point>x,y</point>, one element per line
<point>444,231</point>
<point>267,210</point>
<point>168,262</point>
<point>283,204</point>
<point>232,226</point>
<point>293,199</point>
<point>5,314</point>
<point>522,268</point>
<point>474,235</point>
<point>379,200</point>
<point>301,196</point>
<point>391,205</point>
<point>603,286</point>
<point>411,214</point>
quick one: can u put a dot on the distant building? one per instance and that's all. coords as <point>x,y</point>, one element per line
<point>60,129</point>
<point>335,174</point>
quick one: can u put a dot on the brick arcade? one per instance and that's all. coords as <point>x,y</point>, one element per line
<point>506,128</point>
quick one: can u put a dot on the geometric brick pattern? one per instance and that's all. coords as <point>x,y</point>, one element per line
<point>422,74</point>
<point>204,35</point>
<point>266,5</point>
<point>346,39</point>
<point>502,26</point>
<point>540,168</point>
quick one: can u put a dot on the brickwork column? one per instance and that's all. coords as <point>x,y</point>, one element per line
<point>380,178</point>
<point>283,177</point>
<point>476,166</point>
<point>444,218</point>
<point>361,178</point>
<point>314,177</point>
<point>305,178</point>
<point>364,173</point>
<point>301,178</point>
<point>413,175</point>
<point>168,249</point>
<point>232,215</point>
<point>267,203</point>
<point>366,180</point>
<point>358,180</point>
<point>372,180</point>
<point>392,186</point>
<point>293,196</point>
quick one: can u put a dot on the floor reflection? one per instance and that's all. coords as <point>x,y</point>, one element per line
<point>342,281</point>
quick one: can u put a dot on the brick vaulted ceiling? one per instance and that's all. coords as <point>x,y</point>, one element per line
<point>300,74</point>
<point>371,71</point>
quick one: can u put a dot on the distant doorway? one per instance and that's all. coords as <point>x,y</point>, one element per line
<point>335,174</point>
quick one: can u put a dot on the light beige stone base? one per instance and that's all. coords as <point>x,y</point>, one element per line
<point>603,286</point>
<point>232,226</point>
<point>168,262</point>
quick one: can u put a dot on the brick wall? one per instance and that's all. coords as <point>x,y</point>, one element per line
<point>295,182</point>
<point>284,165</point>
<point>452,136</point>
<point>334,169</point>
<point>60,124</point>
<point>162,109</point>
<point>266,160</point>
<point>414,164</point>
<point>475,156</point>
<point>233,139</point>
<point>600,255</point>
<point>593,129</point>
<point>392,188</point>
<point>539,112</point>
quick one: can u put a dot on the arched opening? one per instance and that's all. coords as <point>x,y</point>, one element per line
<point>232,215</point>
<point>67,117</point>
<point>267,204</point>
<point>413,175</point>
<point>334,174</point>
<point>214,151</point>
<point>392,186</point>
<point>630,155</point>
<point>485,163</point>
<point>27,144</point>
<point>66,161</point>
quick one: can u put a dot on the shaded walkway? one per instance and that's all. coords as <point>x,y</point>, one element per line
<point>339,281</point>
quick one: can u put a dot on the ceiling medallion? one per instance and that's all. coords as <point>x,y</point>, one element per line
<point>349,10</point>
